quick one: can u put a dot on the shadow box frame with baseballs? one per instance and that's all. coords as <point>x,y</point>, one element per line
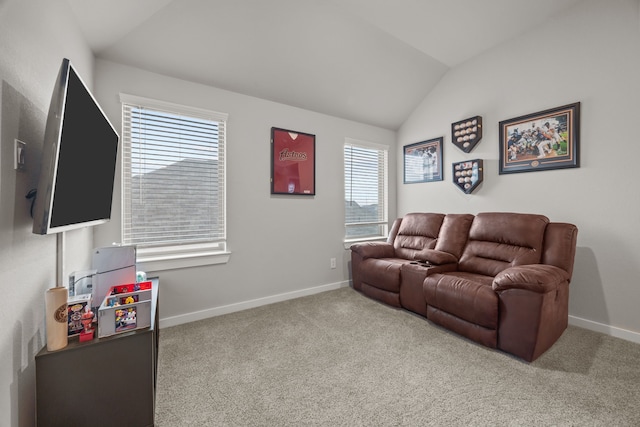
<point>465,134</point>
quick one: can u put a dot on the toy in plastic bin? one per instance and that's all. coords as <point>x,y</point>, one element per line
<point>125,308</point>
<point>76,306</point>
<point>87,323</point>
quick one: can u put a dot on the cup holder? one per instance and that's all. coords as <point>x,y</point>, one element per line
<point>421,263</point>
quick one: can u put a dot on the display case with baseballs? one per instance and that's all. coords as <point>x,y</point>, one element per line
<point>468,175</point>
<point>466,133</point>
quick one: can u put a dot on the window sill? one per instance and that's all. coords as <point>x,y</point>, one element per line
<point>150,260</point>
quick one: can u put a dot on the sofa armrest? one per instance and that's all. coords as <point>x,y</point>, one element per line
<point>373,250</point>
<point>539,278</point>
<point>533,304</point>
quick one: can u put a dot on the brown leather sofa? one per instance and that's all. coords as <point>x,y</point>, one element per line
<point>498,278</point>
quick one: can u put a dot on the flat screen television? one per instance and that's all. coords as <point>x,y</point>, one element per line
<point>75,188</point>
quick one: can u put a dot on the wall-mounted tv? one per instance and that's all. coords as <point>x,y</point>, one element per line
<point>75,187</point>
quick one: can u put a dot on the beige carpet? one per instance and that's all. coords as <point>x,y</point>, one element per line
<point>341,359</point>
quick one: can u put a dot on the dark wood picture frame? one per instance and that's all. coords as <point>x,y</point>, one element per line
<point>544,140</point>
<point>293,162</point>
<point>423,161</point>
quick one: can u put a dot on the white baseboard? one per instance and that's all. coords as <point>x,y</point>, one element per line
<point>231,308</point>
<point>605,329</point>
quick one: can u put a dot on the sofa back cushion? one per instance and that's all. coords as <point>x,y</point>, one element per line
<point>499,240</point>
<point>454,234</point>
<point>560,245</point>
<point>394,230</point>
<point>417,232</point>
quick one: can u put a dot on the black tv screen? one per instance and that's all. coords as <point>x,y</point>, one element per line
<point>76,182</point>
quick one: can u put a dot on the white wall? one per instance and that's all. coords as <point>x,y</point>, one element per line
<point>34,37</point>
<point>281,245</point>
<point>591,55</point>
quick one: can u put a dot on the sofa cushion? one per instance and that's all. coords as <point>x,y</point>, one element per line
<point>417,232</point>
<point>468,296</point>
<point>499,240</point>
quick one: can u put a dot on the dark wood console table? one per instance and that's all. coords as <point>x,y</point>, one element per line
<point>106,381</point>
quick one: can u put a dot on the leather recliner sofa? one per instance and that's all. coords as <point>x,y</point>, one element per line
<point>498,278</point>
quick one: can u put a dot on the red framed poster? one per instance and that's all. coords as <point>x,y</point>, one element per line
<point>293,162</point>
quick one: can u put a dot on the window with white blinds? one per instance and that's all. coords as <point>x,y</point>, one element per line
<point>173,177</point>
<point>365,190</point>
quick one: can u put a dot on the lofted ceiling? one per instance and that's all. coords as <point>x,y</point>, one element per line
<point>371,61</point>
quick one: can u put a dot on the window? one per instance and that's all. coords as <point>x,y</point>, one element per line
<point>365,190</point>
<point>173,182</point>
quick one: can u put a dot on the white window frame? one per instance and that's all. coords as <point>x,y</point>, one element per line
<point>383,192</point>
<point>167,257</point>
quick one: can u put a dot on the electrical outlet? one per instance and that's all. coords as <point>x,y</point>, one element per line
<point>19,153</point>
<point>333,262</point>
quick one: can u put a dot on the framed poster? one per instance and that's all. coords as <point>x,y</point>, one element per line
<point>293,162</point>
<point>423,161</point>
<point>541,141</point>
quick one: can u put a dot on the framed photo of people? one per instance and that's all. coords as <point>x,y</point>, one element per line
<point>423,161</point>
<point>544,140</point>
<point>293,162</point>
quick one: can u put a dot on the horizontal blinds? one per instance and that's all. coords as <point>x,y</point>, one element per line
<point>173,176</point>
<point>365,190</point>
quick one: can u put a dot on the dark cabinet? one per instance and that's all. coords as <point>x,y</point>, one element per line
<point>108,381</point>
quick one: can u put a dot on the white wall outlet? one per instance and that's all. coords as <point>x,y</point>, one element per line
<point>19,155</point>
<point>332,262</point>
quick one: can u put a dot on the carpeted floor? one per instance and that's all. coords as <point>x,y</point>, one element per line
<point>340,359</point>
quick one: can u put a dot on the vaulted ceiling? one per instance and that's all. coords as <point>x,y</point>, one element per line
<point>371,61</point>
